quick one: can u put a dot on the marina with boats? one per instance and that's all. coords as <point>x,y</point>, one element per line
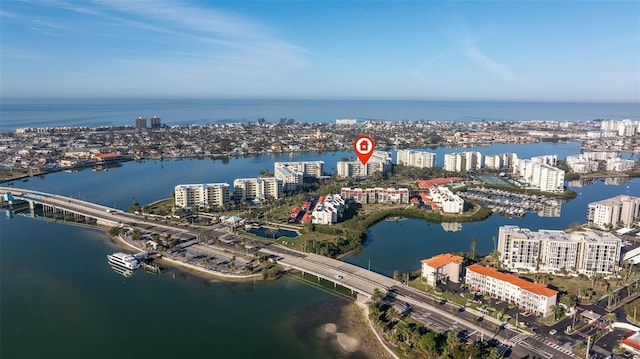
<point>513,204</point>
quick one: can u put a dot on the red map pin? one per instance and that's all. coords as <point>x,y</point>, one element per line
<point>363,145</point>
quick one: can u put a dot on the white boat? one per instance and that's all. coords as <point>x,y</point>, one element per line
<point>123,260</point>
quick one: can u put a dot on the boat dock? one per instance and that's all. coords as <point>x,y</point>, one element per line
<point>513,204</point>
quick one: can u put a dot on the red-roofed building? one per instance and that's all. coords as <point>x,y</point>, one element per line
<point>443,266</point>
<point>424,184</point>
<point>106,157</point>
<point>306,218</point>
<point>631,342</point>
<point>533,297</point>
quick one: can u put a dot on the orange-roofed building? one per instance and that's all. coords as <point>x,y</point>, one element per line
<point>535,298</point>
<point>631,342</point>
<point>423,184</point>
<point>106,157</point>
<point>440,267</point>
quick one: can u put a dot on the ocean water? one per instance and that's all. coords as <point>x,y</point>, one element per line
<point>16,113</point>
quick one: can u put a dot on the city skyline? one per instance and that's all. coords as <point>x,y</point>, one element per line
<point>536,51</point>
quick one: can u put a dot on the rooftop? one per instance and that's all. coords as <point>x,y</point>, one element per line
<point>442,259</point>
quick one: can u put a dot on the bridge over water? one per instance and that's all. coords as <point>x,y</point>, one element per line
<point>340,273</point>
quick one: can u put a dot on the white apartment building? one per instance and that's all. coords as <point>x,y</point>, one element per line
<point>329,211</point>
<point>550,160</point>
<point>201,195</point>
<point>619,165</point>
<point>379,162</point>
<point>376,195</point>
<point>413,158</point>
<point>443,266</point>
<point>539,175</point>
<point>291,179</point>
<point>500,161</point>
<point>614,212</point>
<point>249,189</point>
<point>442,198</point>
<point>532,297</point>
<point>462,161</point>
<point>586,252</point>
<point>307,168</point>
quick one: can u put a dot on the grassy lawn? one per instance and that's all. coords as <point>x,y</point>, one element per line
<point>581,286</point>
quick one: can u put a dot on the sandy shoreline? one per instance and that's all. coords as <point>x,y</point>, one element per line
<point>345,323</point>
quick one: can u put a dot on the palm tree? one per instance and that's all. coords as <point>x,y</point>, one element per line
<point>472,247</point>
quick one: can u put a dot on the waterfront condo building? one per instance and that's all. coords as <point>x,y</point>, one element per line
<point>443,266</point>
<point>291,179</point>
<point>587,252</point>
<point>249,189</point>
<point>329,210</point>
<point>379,162</point>
<point>462,161</point>
<point>441,197</point>
<point>413,158</point>
<point>500,161</point>
<point>614,212</point>
<point>539,175</point>
<point>376,195</point>
<point>550,160</point>
<point>201,195</point>
<point>619,165</point>
<point>532,297</point>
<point>307,168</point>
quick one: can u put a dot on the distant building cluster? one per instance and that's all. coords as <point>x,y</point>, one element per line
<point>379,162</point>
<point>346,121</point>
<point>613,212</point>
<point>141,123</point>
<point>588,252</point>
<point>588,162</point>
<point>419,159</point>
<point>376,195</point>
<point>623,128</point>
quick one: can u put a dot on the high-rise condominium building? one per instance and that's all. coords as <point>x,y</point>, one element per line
<point>413,158</point>
<point>201,195</point>
<point>613,212</point>
<point>588,252</point>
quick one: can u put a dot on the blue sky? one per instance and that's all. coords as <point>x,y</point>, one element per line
<point>484,50</point>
